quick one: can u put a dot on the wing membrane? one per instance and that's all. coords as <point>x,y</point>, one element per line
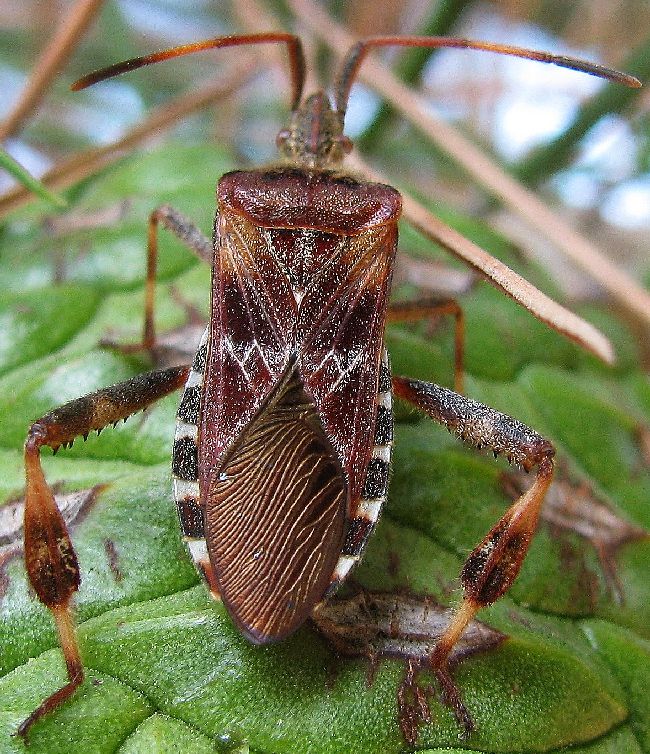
<point>275,515</point>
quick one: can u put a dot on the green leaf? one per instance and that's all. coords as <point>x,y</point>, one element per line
<point>629,658</point>
<point>166,735</point>
<point>166,669</point>
<point>104,712</point>
<point>16,170</point>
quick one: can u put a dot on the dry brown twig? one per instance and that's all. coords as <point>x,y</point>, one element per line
<point>50,62</point>
<point>499,274</point>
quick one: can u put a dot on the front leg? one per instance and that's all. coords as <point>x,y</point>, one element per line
<point>192,238</point>
<point>493,565</point>
<point>50,559</point>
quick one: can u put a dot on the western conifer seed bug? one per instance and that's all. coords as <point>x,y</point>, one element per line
<point>284,432</point>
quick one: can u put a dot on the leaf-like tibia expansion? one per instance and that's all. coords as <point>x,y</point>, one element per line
<point>49,556</point>
<point>492,566</point>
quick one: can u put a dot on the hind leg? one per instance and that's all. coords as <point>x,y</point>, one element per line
<point>50,559</point>
<point>493,565</point>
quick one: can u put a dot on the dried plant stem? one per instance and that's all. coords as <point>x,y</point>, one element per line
<point>499,274</point>
<point>90,161</point>
<point>627,292</point>
<point>50,62</point>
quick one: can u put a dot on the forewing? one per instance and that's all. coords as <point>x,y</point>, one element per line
<point>341,331</point>
<point>275,515</point>
<point>253,317</point>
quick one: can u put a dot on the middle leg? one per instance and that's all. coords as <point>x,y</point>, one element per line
<point>431,309</point>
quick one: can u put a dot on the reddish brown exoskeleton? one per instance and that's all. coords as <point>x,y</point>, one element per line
<point>283,443</point>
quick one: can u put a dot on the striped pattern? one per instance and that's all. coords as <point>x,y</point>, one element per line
<point>375,487</point>
<point>186,488</point>
<point>185,470</point>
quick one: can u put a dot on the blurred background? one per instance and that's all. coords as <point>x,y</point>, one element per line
<point>581,144</point>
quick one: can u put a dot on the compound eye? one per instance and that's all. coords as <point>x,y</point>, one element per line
<point>282,138</point>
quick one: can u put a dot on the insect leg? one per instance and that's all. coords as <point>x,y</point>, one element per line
<point>192,237</point>
<point>431,308</point>
<point>50,559</point>
<point>493,565</point>
<point>186,232</point>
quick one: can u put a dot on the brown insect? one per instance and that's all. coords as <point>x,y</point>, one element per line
<point>283,442</point>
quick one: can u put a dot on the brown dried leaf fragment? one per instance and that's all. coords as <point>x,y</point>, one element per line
<point>112,556</point>
<point>178,346</point>
<point>404,626</point>
<point>642,435</point>
<point>413,703</point>
<point>378,625</point>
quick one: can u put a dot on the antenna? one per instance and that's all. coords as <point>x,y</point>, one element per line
<point>294,46</point>
<point>357,53</point>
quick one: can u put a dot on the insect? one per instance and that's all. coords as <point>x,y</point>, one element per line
<point>284,432</point>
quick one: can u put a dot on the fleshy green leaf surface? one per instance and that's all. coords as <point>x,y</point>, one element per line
<point>166,735</point>
<point>166,669</point>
